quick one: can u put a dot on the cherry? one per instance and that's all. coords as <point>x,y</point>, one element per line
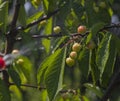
<point>2,63</point>
<point>15,51</point>
<point>81,29</point>
<point>43,23</point>
<point>96,9</point>
<point>91,45</point>
<point>73,55</point>
<point>76,47</point>
<point>102,4</point>
<point>20,61</point>
<point>70,62</point>
<point>57,29</point>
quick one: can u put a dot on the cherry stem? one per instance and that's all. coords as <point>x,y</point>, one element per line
<point>43,88</point>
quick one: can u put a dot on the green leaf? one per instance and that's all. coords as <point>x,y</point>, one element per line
<point>109,67</point>
<point>46,5</point>
<point>49,5</point>
<point>26,37</point>
<point>48,30</point>
<point>44,96</point>
<point>90,12</point>
<point>117,43</point>
<point>94,31</point>
<point>36,4</point>
<point>22,15</point>
<point>72,21</point>
<point>78,9</point>
<point>35,16</point>
<point>93,66</point>
<point>4,92</point>
<point>97,27</point>
<point>94,89</point>
<point>14,76</point>
<point>16,92</point>
<point>42,69</point>
<point>60,42</point>
<point>54,73</point>
<point>3,15</point>
<point>83,61</point>
<point>24,69</point>
<point>85,98</point>
<point>103,52</point>
<point>64,11</point>
<point>93,17</point>
<point>44,65</point>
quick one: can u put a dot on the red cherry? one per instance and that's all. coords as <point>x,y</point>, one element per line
<point>81,29</point>
<point>2,63</point>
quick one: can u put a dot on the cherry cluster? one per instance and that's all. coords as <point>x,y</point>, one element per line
<point>73,54</point>
<point>70,61</point>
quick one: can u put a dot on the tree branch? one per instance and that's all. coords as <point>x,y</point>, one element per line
<point>10,41</point>
<point>15,16</point>
<point>43,36</point>
<point>38,21</point>
<point>13,32</point>
<point>43,88</point>
<point>31,86</point>
<point>112,26</point>
<point>60,34</point>
<point>55,36</point>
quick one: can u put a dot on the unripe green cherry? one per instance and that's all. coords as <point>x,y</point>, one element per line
<point>91,45</point>
<point>102,4</point>
<point>96,9</point>
<point>81,29</point>
<point>15,51</point>
<point>57,29</point>
<point>43,23</point>
<point>76,47</point>
<point>20,61</point>
<point>70,62</point>
<point>73,55</point>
